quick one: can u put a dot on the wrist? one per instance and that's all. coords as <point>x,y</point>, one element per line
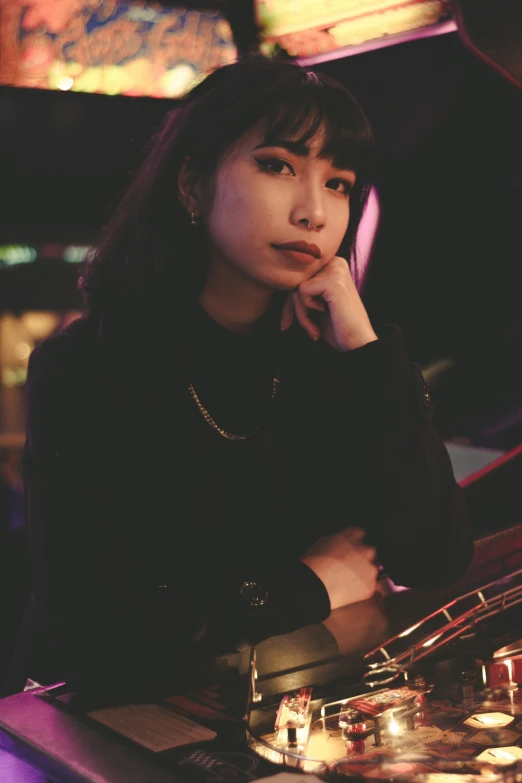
<point>358,339</point>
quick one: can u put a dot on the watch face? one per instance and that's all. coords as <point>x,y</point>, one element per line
<point>253,594</point>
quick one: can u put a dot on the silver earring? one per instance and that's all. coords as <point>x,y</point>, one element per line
<point>193,219</point>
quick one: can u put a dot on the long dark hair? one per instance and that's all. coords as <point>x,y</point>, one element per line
<point>149,242</point>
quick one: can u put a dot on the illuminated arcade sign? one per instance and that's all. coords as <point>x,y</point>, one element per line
<point>307,28</point>
<point>112,47</point>
<point>74,254</point>
<point>14,255</point>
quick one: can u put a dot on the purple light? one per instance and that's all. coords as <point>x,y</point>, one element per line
<point>366,234</point>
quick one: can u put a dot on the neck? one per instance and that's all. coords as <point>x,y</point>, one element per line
<point>235,303</point>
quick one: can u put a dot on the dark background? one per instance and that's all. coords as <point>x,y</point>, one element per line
<point>446,261</point>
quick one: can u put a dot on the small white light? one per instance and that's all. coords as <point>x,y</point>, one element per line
<point>431,641</point>
<point>409,630</point>
<point>66,83</point>
<point>487,720</point>
<point>22,350</point>
<point>394,727</point>
<point>500,756</point>
<point>498,753</point>
<point>509,664</point>
<point>484,676</point>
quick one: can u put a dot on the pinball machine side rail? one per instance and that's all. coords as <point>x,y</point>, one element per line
<point>455,626</point>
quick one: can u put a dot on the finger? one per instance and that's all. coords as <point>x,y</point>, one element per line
<point>370,582</point>
<point>287,315</point>
<point>370,552</point>
<point>300,313</point>
<point>313,303</point>
<point>353,534</point>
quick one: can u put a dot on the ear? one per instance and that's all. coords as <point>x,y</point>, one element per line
<point>188,189</point>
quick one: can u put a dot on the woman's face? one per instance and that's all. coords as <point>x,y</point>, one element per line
<point>265,196</point>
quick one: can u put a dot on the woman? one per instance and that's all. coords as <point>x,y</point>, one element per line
<point>208,446</point>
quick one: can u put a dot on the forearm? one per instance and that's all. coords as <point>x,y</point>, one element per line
<point>420,522</point>
<point>112,627</point>
<point>259,600</point>
<point>408,499</point>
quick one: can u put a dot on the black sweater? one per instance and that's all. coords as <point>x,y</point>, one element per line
<point>143,522</point>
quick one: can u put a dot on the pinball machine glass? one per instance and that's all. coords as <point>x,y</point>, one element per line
<point>438,701</point>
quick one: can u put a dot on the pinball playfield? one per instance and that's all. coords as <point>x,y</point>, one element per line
<point>437,700</point>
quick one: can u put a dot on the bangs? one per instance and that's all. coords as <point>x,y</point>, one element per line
<point>329,113</point>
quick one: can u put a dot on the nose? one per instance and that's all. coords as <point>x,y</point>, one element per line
<point>310,224</point>
<point>310,207</point>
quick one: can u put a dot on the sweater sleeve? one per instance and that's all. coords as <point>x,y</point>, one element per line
<point>111,628</point>
<point>409,503</point>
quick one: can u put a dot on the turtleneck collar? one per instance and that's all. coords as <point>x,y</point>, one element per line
<point>265,332</point>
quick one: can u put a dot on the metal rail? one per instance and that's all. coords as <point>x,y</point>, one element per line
<point>455,621</point>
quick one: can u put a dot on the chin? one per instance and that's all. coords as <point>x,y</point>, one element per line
<point>285,280</point>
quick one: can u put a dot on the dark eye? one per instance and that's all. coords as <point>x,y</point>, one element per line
<point>347,186</point>
<point>272,164</point>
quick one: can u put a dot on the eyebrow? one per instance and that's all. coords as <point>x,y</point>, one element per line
<point>298,148</point>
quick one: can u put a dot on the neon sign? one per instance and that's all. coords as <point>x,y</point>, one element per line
<point>306,28</point>
<point>107,46</point>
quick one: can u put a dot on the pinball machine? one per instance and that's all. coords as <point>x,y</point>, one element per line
<point>437,699</point>
<point>418,687</point>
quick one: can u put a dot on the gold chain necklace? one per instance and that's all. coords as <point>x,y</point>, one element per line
<point>229,435</point>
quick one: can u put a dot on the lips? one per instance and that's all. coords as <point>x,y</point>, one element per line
<point>301,247</point>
